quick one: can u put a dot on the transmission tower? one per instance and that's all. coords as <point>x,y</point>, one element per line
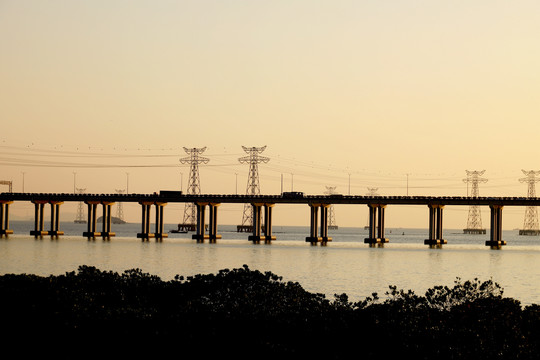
<point>371,192</point>
<point>474,222</point>
<point>8,183</point>
<point>79,219</point>
<point>253,159</point>
<point>119,209</point>
<point>530,224</point>
<point>194,185</point>
<point>330,190</point>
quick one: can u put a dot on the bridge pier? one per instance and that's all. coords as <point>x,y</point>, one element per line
<point>106,220</point>
<point>91,223</point>
<point>105,232</point>
<point>4,218</point>
<point>39,206</point>
<point>158,226</point>
<point>268,223</point>
<point>257,225</point>
<point>145,233</point>
<point>495,238</point>
<point>55,218</point>
<point>212,219</point>
<point>435,226</point>
<point>376,221</point>
<point>38,219</point>
<point>145,221</point>
<point>314,237</point>
<point>200,227</point>
<point>324,223</point>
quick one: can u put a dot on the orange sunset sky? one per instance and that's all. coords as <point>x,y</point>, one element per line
<point>399,95</point>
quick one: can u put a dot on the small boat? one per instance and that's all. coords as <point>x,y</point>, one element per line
<point>178,231</point>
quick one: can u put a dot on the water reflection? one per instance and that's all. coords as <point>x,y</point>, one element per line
<point>345,265</point>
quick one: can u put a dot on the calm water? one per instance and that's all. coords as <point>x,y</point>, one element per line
<point>345,265</point>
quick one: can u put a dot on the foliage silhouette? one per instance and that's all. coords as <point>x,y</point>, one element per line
<point>248,313</point>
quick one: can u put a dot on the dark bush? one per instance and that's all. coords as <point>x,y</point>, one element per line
<point>251,314</point>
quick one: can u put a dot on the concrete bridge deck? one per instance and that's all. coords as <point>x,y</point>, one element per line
<point>318,205</point>
<point>276,199</point>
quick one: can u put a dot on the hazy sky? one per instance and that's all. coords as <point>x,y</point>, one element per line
<point>377,92</point>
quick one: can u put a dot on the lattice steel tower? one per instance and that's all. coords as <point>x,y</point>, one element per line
<point>530,223</point>
<point>9,184</point>
<point>194,185</point>
<point>79,218</point>
<point>331,190</point>
<point>372,192</point>
<point>474,222</point>
<point>119,209</point>
<point>253,188</point>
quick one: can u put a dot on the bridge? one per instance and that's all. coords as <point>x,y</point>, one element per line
<point>318,205</point>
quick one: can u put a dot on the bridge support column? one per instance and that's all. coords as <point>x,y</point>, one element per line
<point>268,223</point>
<point>91,230</point>
<point>145,233</point>
<point>39,207</point>
<point>4,218</point>
<point>435,236</point>
<point>495,238</point>
<point>55,219</point>
<point>145,221</point>
<point>91,223</point>
<point>324,223</point>
<point>376,222</point>
<point>257,225</point>
<point>314,237</point>
<point>212,228</point>
<point>106,220</point>
<point>200,227</point>
<point>158,226</point>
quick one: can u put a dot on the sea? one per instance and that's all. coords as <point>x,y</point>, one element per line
<point>344,265</point>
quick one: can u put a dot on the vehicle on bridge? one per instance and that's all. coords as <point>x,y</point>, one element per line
<point>292,194</point>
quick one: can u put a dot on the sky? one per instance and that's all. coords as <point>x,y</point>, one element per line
<point>402,96</point>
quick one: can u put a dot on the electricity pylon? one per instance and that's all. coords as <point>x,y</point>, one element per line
<point>530,223</point>
<point>330,190</point>
<point>372,192</point>
<point>194,185</point>
<point>474,221</point>
<point>8,183</point>
<point>79,218</point>
<point>253,188</point>
<point>119,209</point>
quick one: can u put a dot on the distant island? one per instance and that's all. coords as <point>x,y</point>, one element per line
<point>114,220</point>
